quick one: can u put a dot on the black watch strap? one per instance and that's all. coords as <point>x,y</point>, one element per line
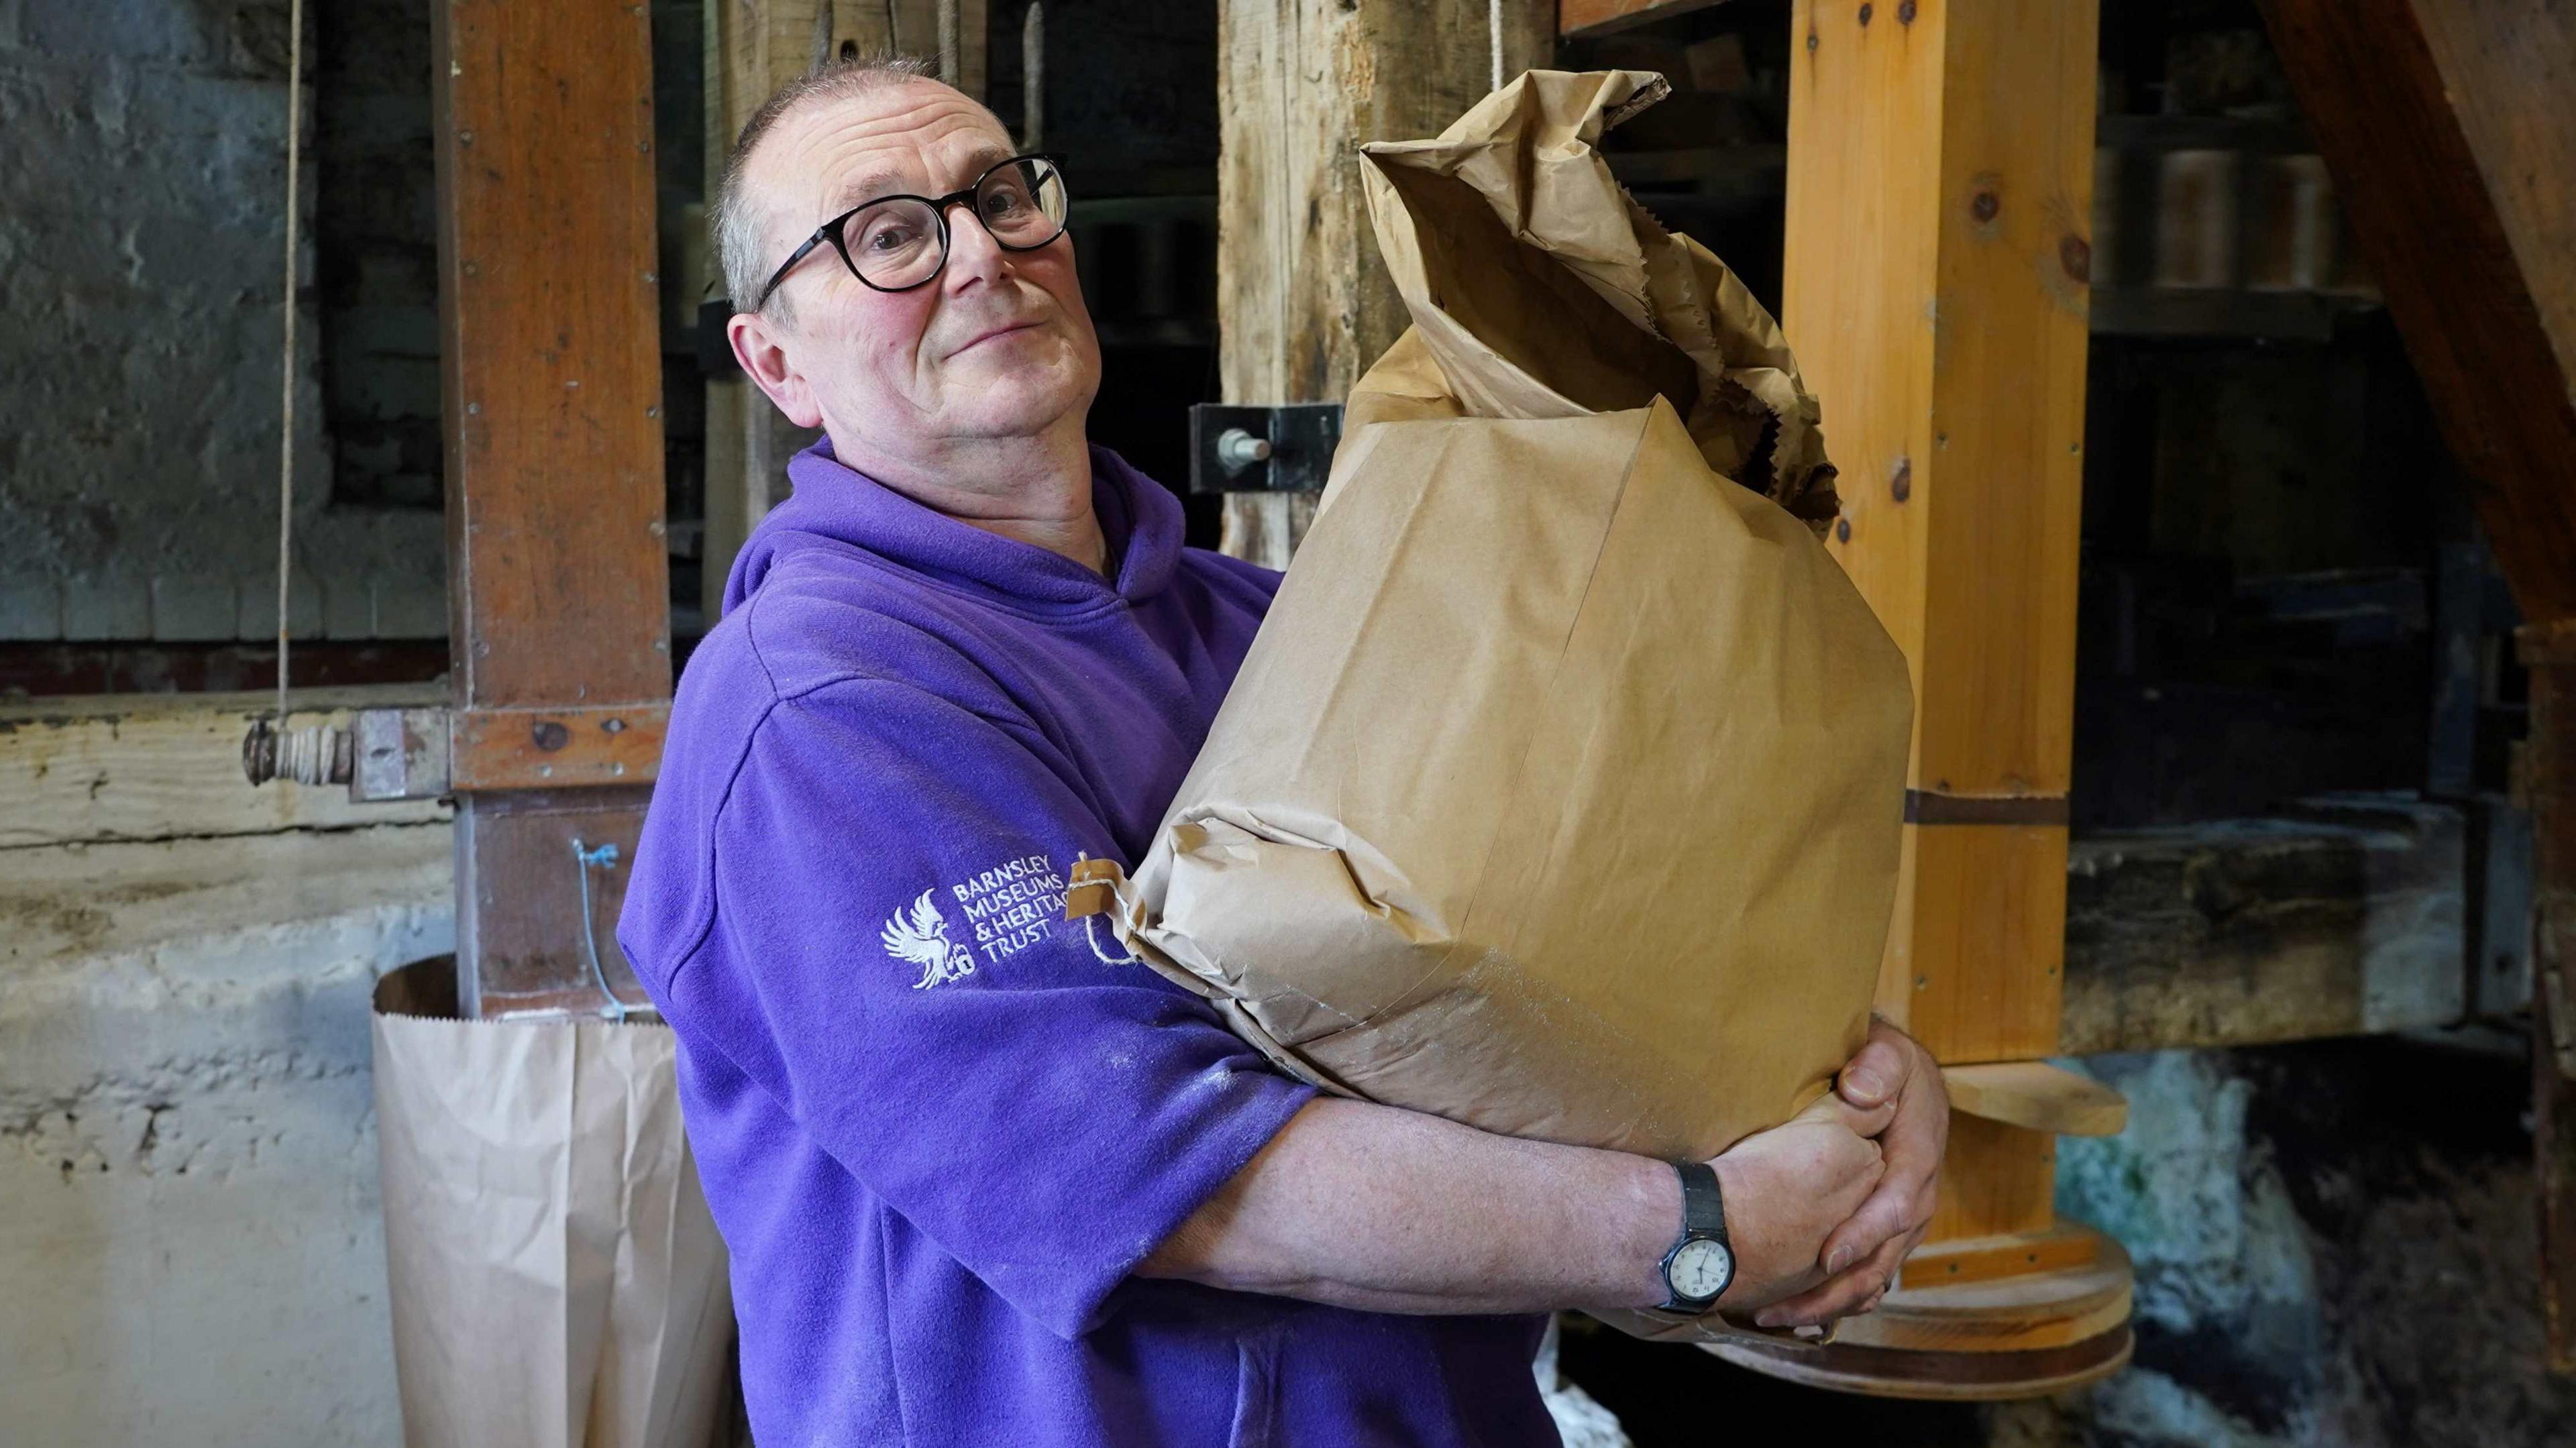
<point>1703,1221</point>
<point>1703,1210</point>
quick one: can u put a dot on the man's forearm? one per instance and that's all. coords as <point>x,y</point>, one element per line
<point>1394,1211</point>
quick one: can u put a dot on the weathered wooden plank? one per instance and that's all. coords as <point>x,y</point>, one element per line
<point>1939,190</point>
<point>2548,770</point>
<point>168,766</point>
<point>2344,922</point>
<point>1303,303</point>
<point>752,48</point>
<point>558,576</point>
<point>64,909</point>
<point>550,354</point>
<point>1576,19</point>
<point>2450,128</point>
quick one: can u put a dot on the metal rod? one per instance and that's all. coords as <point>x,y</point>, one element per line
<point>1033,78</point>
<point>286,362</point>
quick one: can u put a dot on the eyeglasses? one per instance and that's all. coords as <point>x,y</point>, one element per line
<point>897,243</point>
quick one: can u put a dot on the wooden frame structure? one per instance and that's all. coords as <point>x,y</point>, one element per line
<point>559,592</point>
<point>2450,129</point>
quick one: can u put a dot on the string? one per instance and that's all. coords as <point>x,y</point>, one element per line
<point>286,361</point>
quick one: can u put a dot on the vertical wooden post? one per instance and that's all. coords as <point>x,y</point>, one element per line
<point>1936,289</point>
<point>2548,787</point>
<point>558,576</point>
<point>753,48</point>
<point>1940,185</point>
<point>1303,303</point>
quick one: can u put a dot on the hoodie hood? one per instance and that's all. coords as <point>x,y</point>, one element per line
<point>835,505</point>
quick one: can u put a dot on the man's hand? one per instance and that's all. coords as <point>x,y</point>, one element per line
<point>1786,1189</point>
<point>1892,1073</point>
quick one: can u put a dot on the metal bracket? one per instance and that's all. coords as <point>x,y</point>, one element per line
<point>1286,448</point>
<point>430,750</point>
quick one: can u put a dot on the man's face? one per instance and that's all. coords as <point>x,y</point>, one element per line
<point>998,345</point>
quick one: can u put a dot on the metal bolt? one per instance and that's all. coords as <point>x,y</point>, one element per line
<point>474,409</point>
<point>1842,530</point>
<point>473,269</point>
<point>657,529</point>
<point>1901,486</point>
<point>643,148</point>
<point>1865,11</point>
<point>1237,450</point>
<point>549,735</point>
<point>1985,205</point>
<point>618,726</point>
<point>1811,42</point>
<point>652,412</point>
<point>465,138</point>
<point>652,276</point>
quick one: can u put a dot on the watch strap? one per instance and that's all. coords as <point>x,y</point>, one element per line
<point>1703,1220</point>
<point>1703,1208</point>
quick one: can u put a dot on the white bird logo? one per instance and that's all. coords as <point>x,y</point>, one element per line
<point>920,935</point>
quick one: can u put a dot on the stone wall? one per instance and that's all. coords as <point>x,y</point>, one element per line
<point>140,267</point>
<point>191,1247</point>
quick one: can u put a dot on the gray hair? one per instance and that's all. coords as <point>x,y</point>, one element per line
<point>740,222</point>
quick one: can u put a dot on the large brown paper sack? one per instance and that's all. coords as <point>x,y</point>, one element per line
<point>1560,793</point>
<point>556,1279</point>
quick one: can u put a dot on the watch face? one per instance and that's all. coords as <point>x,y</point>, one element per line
<point>1701,1269</point>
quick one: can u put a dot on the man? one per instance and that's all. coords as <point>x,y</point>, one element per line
<point>984,1182</point>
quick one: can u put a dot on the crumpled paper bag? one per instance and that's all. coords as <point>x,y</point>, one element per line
<point>556,1280</point>
<point>1560,793</point>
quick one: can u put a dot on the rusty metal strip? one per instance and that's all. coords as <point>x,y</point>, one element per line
<point>1931,807</point>
<point>594,744</point>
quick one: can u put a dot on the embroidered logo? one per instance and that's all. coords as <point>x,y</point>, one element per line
<point>919,936</point>
<point>1011,906</point>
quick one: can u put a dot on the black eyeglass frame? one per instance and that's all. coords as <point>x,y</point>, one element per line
<point>831,230</point>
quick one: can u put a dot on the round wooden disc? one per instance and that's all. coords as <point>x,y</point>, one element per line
<point>2009,1337</point>
<point>1885,1372</point>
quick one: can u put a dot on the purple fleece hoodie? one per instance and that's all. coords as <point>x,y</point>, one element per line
<point>937,1124</point>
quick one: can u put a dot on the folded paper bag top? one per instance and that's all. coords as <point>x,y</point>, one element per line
<point>1560,793</point>
<point>1539,288</point>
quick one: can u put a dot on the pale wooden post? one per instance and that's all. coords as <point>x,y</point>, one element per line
<point>1936,290</point>
<point>1303,303</point>
<point>752,48</point>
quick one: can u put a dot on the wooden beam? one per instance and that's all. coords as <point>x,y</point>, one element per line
<point>1940,177</point>
<point>1582,19</point>
<point>2548,769</point>
<point>2450,130</point>
<point>168,766</point>
<point>2347,919</point>
<point>558,575</point>
<point>1939,190</point>
<point>1303,303</point>
<point>752,48</point>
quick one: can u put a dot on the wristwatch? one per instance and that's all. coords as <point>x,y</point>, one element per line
<point>1701,1263</point>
